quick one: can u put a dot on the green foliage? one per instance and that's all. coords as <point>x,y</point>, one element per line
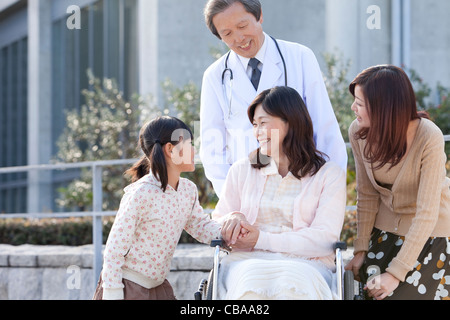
<point>441,116</point>
<point>440,112</point>
<point>185,103</point>
<point>57,232</point>
<point>348,233</point>
<point>66,232</point>
<point>105,128</point>
<point>337,83</point>
<point>421,89</point>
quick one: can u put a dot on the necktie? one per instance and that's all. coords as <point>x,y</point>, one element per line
<point>256,74</point>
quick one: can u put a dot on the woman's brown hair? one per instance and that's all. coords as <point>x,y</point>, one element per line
<point>298,145</point>
<point>391,106</point>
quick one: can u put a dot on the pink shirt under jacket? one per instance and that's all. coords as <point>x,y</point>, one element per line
<point>318,214</point>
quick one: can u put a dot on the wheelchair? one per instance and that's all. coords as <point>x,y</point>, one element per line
<point>345,280</point>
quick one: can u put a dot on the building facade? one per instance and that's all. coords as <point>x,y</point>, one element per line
<point>46,46</point>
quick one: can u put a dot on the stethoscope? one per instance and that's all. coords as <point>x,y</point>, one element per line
<point>229,97</point>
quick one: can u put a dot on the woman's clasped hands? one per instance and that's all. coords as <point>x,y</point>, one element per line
<point>238,233</point>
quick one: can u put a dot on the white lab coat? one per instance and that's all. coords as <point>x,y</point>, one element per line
<point>227,137</point>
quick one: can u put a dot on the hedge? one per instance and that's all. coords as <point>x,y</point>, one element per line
<point>64,232</point>
<point>78,231</point>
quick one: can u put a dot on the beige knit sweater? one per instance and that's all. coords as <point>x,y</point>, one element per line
<point>418,204</point>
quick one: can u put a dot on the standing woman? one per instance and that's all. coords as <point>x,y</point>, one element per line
<point>403,209</point>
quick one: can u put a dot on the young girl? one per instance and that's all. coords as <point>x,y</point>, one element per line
<point>152,215</point>
<point>403,193</point>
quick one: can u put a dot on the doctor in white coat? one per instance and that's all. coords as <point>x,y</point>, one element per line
<point>227,90</point>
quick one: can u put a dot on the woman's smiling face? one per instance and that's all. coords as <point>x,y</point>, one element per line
<point>360,108</point>
<point>270,132</point>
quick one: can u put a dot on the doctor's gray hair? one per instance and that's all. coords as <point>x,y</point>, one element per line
<point>214,7</point>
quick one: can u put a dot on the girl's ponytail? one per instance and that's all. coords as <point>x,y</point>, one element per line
<point>158,164</point>
<point>139,169</point>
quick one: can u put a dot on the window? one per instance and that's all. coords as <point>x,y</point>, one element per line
<point>106,45</point>
<point>13,125</point>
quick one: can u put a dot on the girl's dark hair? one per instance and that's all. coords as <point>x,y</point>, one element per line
<point>298,145</point>
<point>153,136</point>
<point>391,105</point>
<point>214,7</point>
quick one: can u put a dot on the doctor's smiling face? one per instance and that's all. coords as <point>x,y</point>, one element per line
<point>240,30</point>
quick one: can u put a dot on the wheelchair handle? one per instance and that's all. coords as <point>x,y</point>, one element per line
<point>340,245</point>
<point>217,242</point>
<point>220,243</point>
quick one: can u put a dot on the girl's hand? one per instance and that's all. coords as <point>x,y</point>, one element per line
<point>243,234</point>
<point>248,238</point>
<point>356,263</point>
<point>382,286</point>
<point>231,228</point>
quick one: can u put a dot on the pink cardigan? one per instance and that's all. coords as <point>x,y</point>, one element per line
<point>318,215</point>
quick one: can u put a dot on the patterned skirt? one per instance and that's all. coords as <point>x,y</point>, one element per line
<point>430,278</point>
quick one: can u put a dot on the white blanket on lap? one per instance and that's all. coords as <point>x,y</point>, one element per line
<point>272,276</point>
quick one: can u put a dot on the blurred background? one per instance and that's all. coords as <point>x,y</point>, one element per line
<point>78,78</point>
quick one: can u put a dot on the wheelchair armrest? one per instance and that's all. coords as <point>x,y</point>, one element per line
<point>340,245</point>
<point>217,242</point>
<point>220,243</point>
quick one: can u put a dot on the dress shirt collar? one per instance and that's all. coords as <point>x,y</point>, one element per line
<point>272,169</point>
<point>260,55</point>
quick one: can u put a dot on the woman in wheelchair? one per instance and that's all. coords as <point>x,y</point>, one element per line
<point>282,208</point>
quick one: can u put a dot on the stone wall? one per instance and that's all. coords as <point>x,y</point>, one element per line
<point>65,273</point>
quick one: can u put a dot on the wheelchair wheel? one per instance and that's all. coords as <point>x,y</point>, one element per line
<point>349,285</point>
<point>205,289</point>
<point>209,286</point>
